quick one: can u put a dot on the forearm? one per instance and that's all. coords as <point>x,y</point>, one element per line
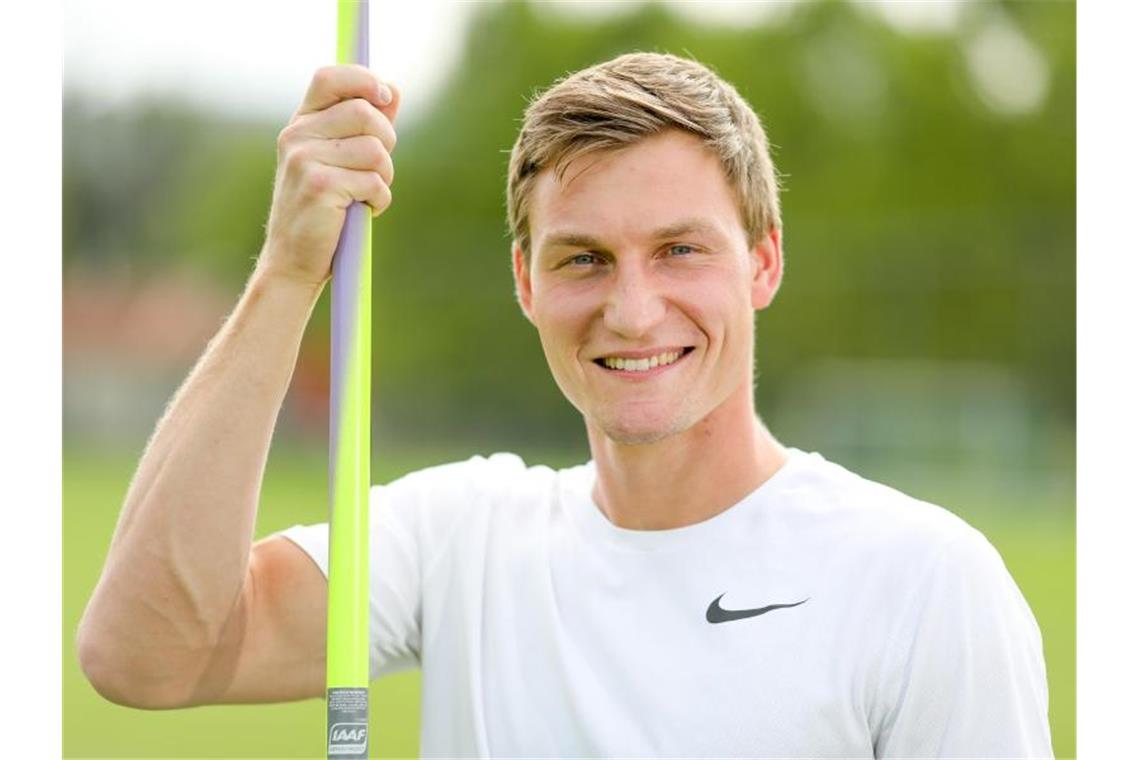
<point>180,552</point>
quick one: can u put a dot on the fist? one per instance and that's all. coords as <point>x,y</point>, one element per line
<point>336,149</point>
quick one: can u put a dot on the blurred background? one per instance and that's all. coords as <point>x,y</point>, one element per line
<point>924,334</point>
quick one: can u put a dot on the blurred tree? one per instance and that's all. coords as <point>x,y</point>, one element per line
<point>158,184</point>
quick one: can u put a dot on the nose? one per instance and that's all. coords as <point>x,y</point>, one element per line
<point>634,304</point>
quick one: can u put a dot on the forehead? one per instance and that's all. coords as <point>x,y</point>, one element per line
<point>626,193</point>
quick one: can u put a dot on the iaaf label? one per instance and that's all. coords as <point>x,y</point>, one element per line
<point>348,738</point>
<point>348,723</point>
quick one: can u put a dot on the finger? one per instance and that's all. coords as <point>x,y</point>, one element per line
<point>353,185</point>
<point>391,109</point>
<point>332,84</point>
<point>345,119</point>
<point>362,152</point>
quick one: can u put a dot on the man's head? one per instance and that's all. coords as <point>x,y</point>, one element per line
<point>646,224</point>
<point>634,96</point>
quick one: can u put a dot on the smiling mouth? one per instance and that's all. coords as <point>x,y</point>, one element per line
<point>642,365</point>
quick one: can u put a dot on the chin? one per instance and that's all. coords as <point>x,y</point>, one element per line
<point>639,432</point>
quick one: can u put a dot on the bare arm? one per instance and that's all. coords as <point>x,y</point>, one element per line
<point>180,607</point>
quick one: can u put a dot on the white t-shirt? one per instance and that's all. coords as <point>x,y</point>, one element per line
<point>542,629</point>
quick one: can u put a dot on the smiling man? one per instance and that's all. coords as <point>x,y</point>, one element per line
<point>643,282</point>
<point>694,589</point>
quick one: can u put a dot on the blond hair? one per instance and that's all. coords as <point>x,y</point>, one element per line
<point>637,95</point>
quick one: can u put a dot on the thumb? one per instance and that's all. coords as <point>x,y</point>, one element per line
<point>392,108</point>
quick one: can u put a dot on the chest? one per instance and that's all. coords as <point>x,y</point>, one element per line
<point>556,648</point>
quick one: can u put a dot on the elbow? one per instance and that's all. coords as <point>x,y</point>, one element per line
<point>104,673</point>
<point>113,678</point>
<point>100,671</point>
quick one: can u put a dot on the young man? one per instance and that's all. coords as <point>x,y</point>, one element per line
<point>695,589</point>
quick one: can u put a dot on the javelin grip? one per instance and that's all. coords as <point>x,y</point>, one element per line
<point>350,413</point>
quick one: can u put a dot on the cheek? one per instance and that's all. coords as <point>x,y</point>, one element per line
<point>720,307</point>
<point>560,308</point>
<point>562,318</point>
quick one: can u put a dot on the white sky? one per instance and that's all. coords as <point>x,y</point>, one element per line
<point>255,57</point>
<point>249,57</point>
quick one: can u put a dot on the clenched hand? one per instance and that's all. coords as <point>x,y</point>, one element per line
<point>336,149</point>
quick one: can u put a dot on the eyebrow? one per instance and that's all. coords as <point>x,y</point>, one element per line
<point>575,239</point>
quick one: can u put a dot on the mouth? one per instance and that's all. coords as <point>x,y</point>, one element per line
<point>643,367</point>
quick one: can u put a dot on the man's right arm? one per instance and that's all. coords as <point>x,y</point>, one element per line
<point>185,611</point>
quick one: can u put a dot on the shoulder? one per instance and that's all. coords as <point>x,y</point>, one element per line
<point>453,511</point>
<point>475,474</point>
<point>897,546</point>
<point>915,553</point>
<point>867,515</point>
<point>442,496</point>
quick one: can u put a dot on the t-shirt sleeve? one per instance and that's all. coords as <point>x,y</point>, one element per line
<point>965,673</point>
<point>393,578</point>
<point>411,521</point>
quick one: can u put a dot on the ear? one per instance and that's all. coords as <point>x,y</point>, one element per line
<point>767,269</point>
<point>523,291</point>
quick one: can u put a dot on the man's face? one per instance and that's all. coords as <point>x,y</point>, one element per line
<point>640,254</point>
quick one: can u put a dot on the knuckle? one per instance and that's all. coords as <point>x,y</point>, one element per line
<point>385,131</point>
<point>294,159</point>
<point>286,135</point>
<point>379,126</point>
<point>376,185</point>
<point>382,198</point>
<point>388,169</point>
<point>314,180</point>
<point>324,76</point>
<point>363,109</point>
<point>375,152</point>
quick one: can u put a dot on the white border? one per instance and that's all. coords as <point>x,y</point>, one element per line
<point>1108,383</point>
<point>31,62</point>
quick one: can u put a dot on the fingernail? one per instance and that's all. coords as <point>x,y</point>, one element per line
<point>385,95</point>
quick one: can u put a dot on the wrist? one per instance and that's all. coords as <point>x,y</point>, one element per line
<point>267,277</point>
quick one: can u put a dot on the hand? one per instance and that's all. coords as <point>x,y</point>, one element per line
<point>336,149</point>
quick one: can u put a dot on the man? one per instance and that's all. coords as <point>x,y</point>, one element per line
<point>695,589</point>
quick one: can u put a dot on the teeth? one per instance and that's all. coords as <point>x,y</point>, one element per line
<point>641,365</point>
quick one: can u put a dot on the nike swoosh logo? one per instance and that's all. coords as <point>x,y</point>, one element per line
<point>718,614</point>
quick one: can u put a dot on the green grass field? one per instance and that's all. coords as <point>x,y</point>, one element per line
<point>1039,551</point>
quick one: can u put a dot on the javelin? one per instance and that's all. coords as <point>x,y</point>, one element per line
<point>350,417</point>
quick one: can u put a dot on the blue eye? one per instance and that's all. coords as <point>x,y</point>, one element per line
<point>681,248</point>
<point>582,258</point>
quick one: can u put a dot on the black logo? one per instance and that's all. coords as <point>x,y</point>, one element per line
<point>718,614</point>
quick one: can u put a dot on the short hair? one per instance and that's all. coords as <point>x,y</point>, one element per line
<point>615,104</point>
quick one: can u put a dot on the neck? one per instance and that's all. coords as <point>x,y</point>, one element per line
<point>687,477</point>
